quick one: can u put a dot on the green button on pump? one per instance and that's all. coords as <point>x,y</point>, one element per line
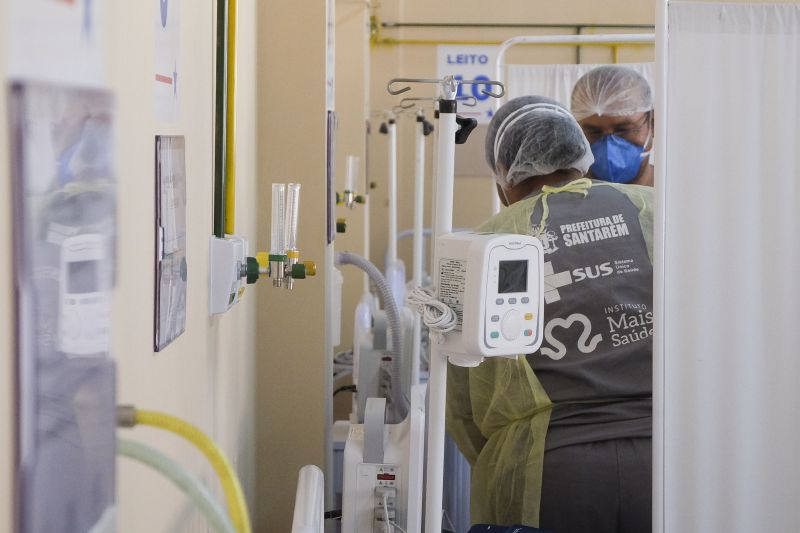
<point>494,334</point>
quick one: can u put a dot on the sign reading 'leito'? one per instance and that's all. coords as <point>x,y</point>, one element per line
<point>470,62</point>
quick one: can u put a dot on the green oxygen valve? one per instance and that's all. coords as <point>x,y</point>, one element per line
<point>253,270</point>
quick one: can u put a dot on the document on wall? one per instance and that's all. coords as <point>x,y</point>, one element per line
<point>166,67</point>
<point>171,269</point>
<point>57,41</point>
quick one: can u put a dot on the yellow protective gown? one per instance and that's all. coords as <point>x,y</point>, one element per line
<point>498,412</point>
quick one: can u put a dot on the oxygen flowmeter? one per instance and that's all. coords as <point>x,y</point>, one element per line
<point>282,263</point>
<point>494,284</point>
<point>232,269</point>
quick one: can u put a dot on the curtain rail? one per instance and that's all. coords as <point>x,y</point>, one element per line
<point>392,25</point>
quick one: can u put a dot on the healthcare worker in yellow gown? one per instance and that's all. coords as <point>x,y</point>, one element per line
<point>561,438</point>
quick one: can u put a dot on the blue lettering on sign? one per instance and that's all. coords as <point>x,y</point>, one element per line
<point>467,59</point>
<point>477,89</point>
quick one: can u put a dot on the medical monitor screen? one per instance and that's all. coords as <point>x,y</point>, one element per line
<point>82,277</point>
<point>513,277</point>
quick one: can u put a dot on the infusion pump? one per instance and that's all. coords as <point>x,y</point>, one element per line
<point>494,283</point>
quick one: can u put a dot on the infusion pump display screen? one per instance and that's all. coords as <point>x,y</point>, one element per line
<point>513,277</point>
<point>82,277</point>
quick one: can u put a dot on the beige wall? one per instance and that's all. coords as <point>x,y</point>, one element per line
<point>210,374</point>
<point>290,369</point>
<point>206,376</point>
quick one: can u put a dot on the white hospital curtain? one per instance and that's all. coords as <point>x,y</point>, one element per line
<point>556,81</point>
<point>730,323</point>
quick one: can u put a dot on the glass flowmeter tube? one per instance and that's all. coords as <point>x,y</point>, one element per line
<point>278,244</point>
<point>292,212</point>
<point>351,173</point>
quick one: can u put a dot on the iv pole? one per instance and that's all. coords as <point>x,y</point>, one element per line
<point>451,130</point>
<point>437,384</point>
<point>392,131</point>
<point>419,239</point>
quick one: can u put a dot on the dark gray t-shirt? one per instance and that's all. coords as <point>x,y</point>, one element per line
<point>596,359</point>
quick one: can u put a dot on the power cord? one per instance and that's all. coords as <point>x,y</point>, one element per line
<point>437,315</point>
<point>388,522</point>
<point>386,514</point>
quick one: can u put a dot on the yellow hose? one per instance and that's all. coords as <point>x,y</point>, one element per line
<point>237,505</point>
<point>230,125</point>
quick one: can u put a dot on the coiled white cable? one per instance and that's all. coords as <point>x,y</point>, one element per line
<point>437,315</point>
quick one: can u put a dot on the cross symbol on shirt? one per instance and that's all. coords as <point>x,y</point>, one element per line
<point>553,281</point>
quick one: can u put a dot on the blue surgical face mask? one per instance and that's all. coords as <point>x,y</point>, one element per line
<point>616,159</point>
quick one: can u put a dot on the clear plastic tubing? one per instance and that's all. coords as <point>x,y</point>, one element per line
<point>292,212</point>
<point>278,245</point>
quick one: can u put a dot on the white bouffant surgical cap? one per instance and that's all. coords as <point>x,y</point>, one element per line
<point>611,90</point>
<point>534,136</point>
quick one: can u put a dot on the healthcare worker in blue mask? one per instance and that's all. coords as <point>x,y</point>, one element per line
<point>614,106</point>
